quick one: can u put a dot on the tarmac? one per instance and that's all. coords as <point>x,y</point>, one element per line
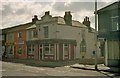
<point>72,64</point>
<point>100,67</point>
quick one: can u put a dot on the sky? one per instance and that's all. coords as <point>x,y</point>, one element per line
<point>16,12</point>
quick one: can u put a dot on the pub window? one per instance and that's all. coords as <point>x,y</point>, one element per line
<point>51,48</point>
<point>46,48</point>
<point>66,49</point>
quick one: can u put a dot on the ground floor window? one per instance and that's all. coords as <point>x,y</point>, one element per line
<point>46,48</point>
<point>52,49</point>
<point>113,49</point>
<point>49,48</point>
<point>31,49</point>
<point>66,49</point>
<point>20,50</point>
<point>10,49</point>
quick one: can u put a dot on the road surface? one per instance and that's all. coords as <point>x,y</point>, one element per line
<point>17,69</point>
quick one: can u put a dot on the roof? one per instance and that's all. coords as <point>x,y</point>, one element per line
<point>33,26</point>
<point>112,6</point>
<point>17,28</point>
<point>74,22</point>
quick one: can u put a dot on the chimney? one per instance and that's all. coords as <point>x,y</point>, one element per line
<point>35,19</point>
<point>47,13</point>
<point>87,22</point>
<point>68,18</point>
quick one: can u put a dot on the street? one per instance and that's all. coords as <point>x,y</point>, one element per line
<point>17,69</point>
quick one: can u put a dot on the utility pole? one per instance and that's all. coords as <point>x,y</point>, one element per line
<point>96,35</point>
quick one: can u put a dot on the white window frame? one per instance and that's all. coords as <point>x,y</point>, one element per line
<point>33,35</point>
<point>19,34</point>
<point>46,46</point>
<point>115,17</point>
<point>31,49</point>
<point>66,51</point>
<point>46,31</point>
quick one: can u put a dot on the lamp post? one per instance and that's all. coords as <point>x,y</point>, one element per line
<point>96,35</point>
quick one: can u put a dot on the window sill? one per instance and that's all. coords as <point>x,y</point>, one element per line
<point>49,54</point>
<point>115,30</point>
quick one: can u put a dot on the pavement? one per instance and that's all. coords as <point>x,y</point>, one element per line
<point>101,67</point>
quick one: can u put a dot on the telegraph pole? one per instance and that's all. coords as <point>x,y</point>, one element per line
<point>96,68</point>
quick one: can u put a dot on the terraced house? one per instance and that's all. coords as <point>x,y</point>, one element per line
<point>15,41</point>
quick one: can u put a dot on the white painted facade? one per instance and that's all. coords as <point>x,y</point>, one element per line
<point>57,29</point>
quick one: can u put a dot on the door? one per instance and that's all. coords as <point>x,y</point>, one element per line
<point>40,52</point>
<point>40,55</point>
<point>60,51</point>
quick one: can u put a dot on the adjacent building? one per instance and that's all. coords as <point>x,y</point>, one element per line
<point>109,33</point>
<point>15,40</point>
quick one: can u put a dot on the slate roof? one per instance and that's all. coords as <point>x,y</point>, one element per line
<point>112,6</point>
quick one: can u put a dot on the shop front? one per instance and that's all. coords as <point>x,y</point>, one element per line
<point>51,49</point>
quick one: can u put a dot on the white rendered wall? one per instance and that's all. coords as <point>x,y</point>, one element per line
<point>68,32</point>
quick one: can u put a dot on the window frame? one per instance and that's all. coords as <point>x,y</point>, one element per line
<point>20,50</point>
<point>46,29</point>
<point>35,33</point>
<point>31,49</point>
<point>46,46</point>
<point>19,34</point>
<point>66,49</point>
<point>117,23</point>
<point>52,49</point>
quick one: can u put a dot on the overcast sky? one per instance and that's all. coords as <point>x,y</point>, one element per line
<point>15,12</point>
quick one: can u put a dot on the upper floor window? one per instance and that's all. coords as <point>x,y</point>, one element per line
<point>35,34</point>
<point>19,34</point>
<point>46,32</point>
<point>115,25</point>
<point>83,48</point>
<point>9,37</point>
